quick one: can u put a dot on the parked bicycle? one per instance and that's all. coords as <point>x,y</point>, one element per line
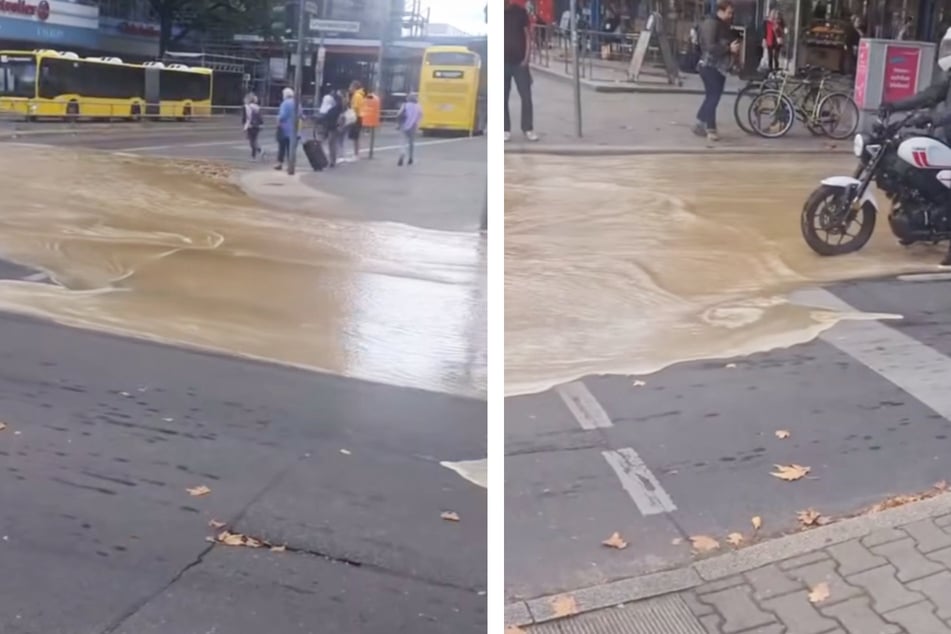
<point>808,97</point>
<point>753,88</point>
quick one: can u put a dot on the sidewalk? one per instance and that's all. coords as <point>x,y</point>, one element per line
<point>631,123</point>
<point>884,573</point>
<point>444,190</point>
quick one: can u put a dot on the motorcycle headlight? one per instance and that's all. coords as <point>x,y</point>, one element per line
<point>858,146</point>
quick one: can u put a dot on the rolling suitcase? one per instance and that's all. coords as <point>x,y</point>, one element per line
<point>315,154</point>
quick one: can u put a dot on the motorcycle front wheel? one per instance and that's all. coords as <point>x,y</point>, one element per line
<point>831,229</point>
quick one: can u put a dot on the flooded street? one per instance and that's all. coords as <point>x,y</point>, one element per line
<point>628,265</point>
<point>145,248</point>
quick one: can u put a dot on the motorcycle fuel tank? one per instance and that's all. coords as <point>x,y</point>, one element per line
<point>925,153</point>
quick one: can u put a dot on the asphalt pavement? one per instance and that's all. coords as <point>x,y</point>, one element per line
<point>104,435</point>
<point>688,451</point>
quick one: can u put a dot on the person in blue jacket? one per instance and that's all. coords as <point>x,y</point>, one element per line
<point>285,127</point>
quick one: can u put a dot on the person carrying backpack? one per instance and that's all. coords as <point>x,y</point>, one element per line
<point>253,121</point>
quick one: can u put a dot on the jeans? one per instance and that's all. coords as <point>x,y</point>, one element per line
<point>283,147</point>
<point>523,83</point>
<point>333,144</point>
<point>772,55</point>
<point>409,140</point>
<point>713,83</point>
<point>253,141</point>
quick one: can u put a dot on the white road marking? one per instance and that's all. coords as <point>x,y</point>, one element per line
<point>475,471</point>
<point>233,144</point>
<point>925,277</point>
<point>913,366</point>
<point>647,493</point>
<point>583,405</point>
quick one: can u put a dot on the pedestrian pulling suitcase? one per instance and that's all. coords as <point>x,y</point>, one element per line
<point>315,154</point>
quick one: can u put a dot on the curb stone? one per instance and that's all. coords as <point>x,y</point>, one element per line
<point>769,552</point>
<point>639,150</point>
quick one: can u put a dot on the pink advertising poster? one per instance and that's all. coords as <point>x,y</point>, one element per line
<point>861,74</point>
<point>901,72</point>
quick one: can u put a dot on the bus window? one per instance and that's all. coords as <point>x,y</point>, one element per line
<point>445,58</point>
<point>18,77</point>
<point>89,79</point>
<point>177,85</point>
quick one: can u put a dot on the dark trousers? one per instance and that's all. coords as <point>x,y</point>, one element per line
<point>253,141</point>
<point>772,54</point>
<point>713,83</point>
<point>283,146</point>
<point>523,83</point>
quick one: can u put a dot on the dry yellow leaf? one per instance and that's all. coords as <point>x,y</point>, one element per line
<point>250,542</point>
<point>216,524</point>
<point>704,544</point>
<point>449,516</point>
<point>230,539</point>
<point>819,593</point>
<point>757,522</point>
<point>782,434</point>
<point>278,549</point>
<point>734,539</point>
<point>615,541</point>
<point>564,605</point>
<point>198,491</point>
<point>790,472</point>
<point>810,517</point>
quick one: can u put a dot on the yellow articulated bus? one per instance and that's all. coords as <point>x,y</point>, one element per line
<point>449,86</point>
<point>44,83</point>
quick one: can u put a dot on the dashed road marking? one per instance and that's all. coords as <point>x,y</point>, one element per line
<point>583,405</point>
<point>647,493</point>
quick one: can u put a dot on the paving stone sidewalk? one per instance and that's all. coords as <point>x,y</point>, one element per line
<point>892,581</point>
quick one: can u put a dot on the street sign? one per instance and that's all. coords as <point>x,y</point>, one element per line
<point>311,7</point>
<point>334,26</point>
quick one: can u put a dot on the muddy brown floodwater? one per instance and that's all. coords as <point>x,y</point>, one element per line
<point>153,250</point>
<point>628,265</point>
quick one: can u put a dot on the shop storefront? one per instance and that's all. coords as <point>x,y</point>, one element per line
<point>48,24</point>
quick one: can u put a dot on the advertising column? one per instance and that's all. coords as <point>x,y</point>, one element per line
<point>887,70</point>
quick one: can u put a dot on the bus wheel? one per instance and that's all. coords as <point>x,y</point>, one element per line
<point>72,110</point>
<point>136,112</point>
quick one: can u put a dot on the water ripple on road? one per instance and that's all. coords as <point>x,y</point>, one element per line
<point>628,265</point>
<point>152,249</point>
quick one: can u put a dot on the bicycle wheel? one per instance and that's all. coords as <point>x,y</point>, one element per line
<point>838,115</point>
<point>741,107</point>
<point>771,114</point>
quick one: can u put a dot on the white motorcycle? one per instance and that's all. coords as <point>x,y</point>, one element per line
<point>911,169</point>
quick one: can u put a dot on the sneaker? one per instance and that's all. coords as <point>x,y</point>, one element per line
<point>712,136</point>
<point>399,163</point>
<point>508,136</point>
<point>531,136</point>
<point>278,167</point>
<point>409,162</point>
<point>699,130</point>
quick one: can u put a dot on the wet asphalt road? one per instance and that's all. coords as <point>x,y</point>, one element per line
<point>104,435</point>
<point>866,405</point>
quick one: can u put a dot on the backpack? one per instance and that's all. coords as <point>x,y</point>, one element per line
<point>257,119</point>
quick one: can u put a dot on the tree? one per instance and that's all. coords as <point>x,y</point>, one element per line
<point>247,16</point>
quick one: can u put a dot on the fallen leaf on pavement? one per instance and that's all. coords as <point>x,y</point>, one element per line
<point>615,541</point>
<point>564,605</point>
<point>734,539</point>
<point>896,501</point>
<point>449,516</point>
<point>782,434</point>
<point>216,524</point>
<point>810,517</point>
<point>639,383</point>
<point>819,593</point>
<point>790,472</point>
<point>704,544</point>
<point>250,542</point>
<point>278,549</point>
<point>230,539</point>
<point>757,522</point>
<point>198,491</point>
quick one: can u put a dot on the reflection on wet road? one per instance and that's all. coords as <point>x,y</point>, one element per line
<point>148,249</point>
<point>627,265</point>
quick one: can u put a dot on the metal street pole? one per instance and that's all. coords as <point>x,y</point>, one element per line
<point>378,79</point>
<point>577,65</point>
<point>298,83</point>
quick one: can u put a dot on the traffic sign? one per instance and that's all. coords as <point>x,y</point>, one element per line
<point>311,7</point>
<point>334,26</point>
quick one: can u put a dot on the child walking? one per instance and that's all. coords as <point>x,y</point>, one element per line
<point>407,120</point>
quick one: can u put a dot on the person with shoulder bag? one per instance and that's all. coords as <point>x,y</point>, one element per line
<point>253,122</point>
<point>718,48</point>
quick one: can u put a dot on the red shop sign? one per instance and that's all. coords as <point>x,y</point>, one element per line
<point>901,72</point>
<point>41,10</point>
<point>861,74</point>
